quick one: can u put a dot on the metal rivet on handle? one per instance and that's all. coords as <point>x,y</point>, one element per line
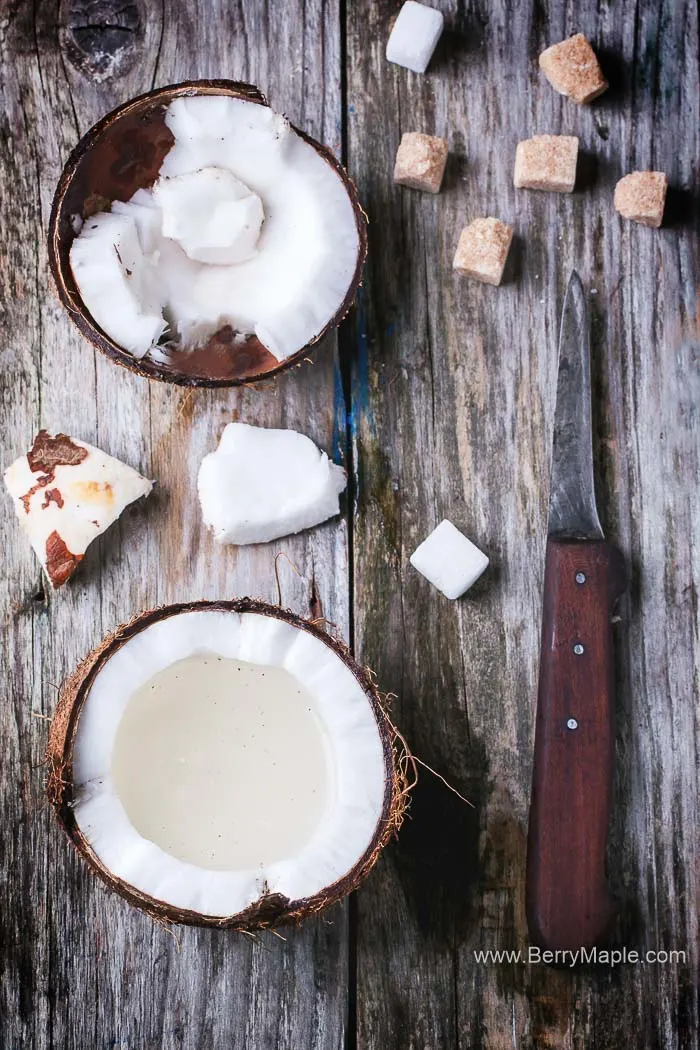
<point>580,577</point>
<point>578,649</point>
<point>572,724</point>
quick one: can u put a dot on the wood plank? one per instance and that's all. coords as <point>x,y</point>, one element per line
<point>81,969</point>
<point>453,394</point>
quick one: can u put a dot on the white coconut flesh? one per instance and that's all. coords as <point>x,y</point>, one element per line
<point>117,281</point>
<point>261,484</point>
<point>212,215</point>
<point>220,756</point>
<point>247,226</point>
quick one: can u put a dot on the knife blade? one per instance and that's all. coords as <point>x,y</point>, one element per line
<point>568,902</point>
<point>572,506</point>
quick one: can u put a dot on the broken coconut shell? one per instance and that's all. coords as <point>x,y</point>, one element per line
<point>271,909</point>
<point>122,153</point>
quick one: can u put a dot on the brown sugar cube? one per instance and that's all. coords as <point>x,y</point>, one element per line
<point>420,162</point>
<point>546,162</point>
<point>572,69</point>
<point>641,197</point>
<point>482,250</point>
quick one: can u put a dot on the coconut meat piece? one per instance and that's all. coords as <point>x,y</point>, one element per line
<point>66,493</point>
<point>351,769</point>
<point>261,484</point>
<point>117,281</point>
<point>257,231</point>
<point>212,215</point>
<point>146,216</point>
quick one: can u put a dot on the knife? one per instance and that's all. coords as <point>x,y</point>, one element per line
<point>568,902</point>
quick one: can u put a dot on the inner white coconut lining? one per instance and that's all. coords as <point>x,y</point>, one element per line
<point>356,768</point>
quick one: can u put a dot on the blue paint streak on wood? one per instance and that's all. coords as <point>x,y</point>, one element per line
<point>360,405</point>
<point>339,447</point>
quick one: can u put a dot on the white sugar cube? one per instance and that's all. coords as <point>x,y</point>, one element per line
<point>414,36</point>
<point>449,560</point>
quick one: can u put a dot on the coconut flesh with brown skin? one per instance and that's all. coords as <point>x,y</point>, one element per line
<point>248,227</point>
<point>65,494</point>
<point>225,764</point>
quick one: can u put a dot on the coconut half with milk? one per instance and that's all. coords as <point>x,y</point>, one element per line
<point>225,764</point>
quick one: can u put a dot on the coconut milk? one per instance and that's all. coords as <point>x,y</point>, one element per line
<point>223,763</point>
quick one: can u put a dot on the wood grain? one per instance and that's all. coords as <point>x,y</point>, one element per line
<point>453,399</point>
<point>450,392</point>
<point>80,968</point>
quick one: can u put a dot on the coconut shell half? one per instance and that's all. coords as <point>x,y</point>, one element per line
<point>271,909</point>
<point>122,153</point>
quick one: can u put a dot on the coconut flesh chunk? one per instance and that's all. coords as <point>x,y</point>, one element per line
<point>261,484</point>
<point>199,785</point>
<point>66,493</point>
<point>255,230</point>
<point>148,219</point>
<point>117,281</point>
<point>212,215</point>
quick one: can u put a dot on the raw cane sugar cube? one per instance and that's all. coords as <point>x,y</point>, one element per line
<point>449,560</point>
<point>482,250</point>
<point>420,162</point>
<point>572,69</point>
<point>546,162</point>
<point>641,196</point>
<point>414,36</point>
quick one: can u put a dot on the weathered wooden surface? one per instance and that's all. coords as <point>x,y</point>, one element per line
<point>80,970</point>
<point>451,390</point>
<point>453,399</point>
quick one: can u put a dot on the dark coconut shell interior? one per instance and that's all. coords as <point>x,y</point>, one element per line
<point>124,153</point>
<point>272,909</point>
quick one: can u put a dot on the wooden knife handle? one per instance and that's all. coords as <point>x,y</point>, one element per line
<point>568,902</point>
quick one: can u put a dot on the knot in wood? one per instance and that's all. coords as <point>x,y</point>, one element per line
<point>100,38</point>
